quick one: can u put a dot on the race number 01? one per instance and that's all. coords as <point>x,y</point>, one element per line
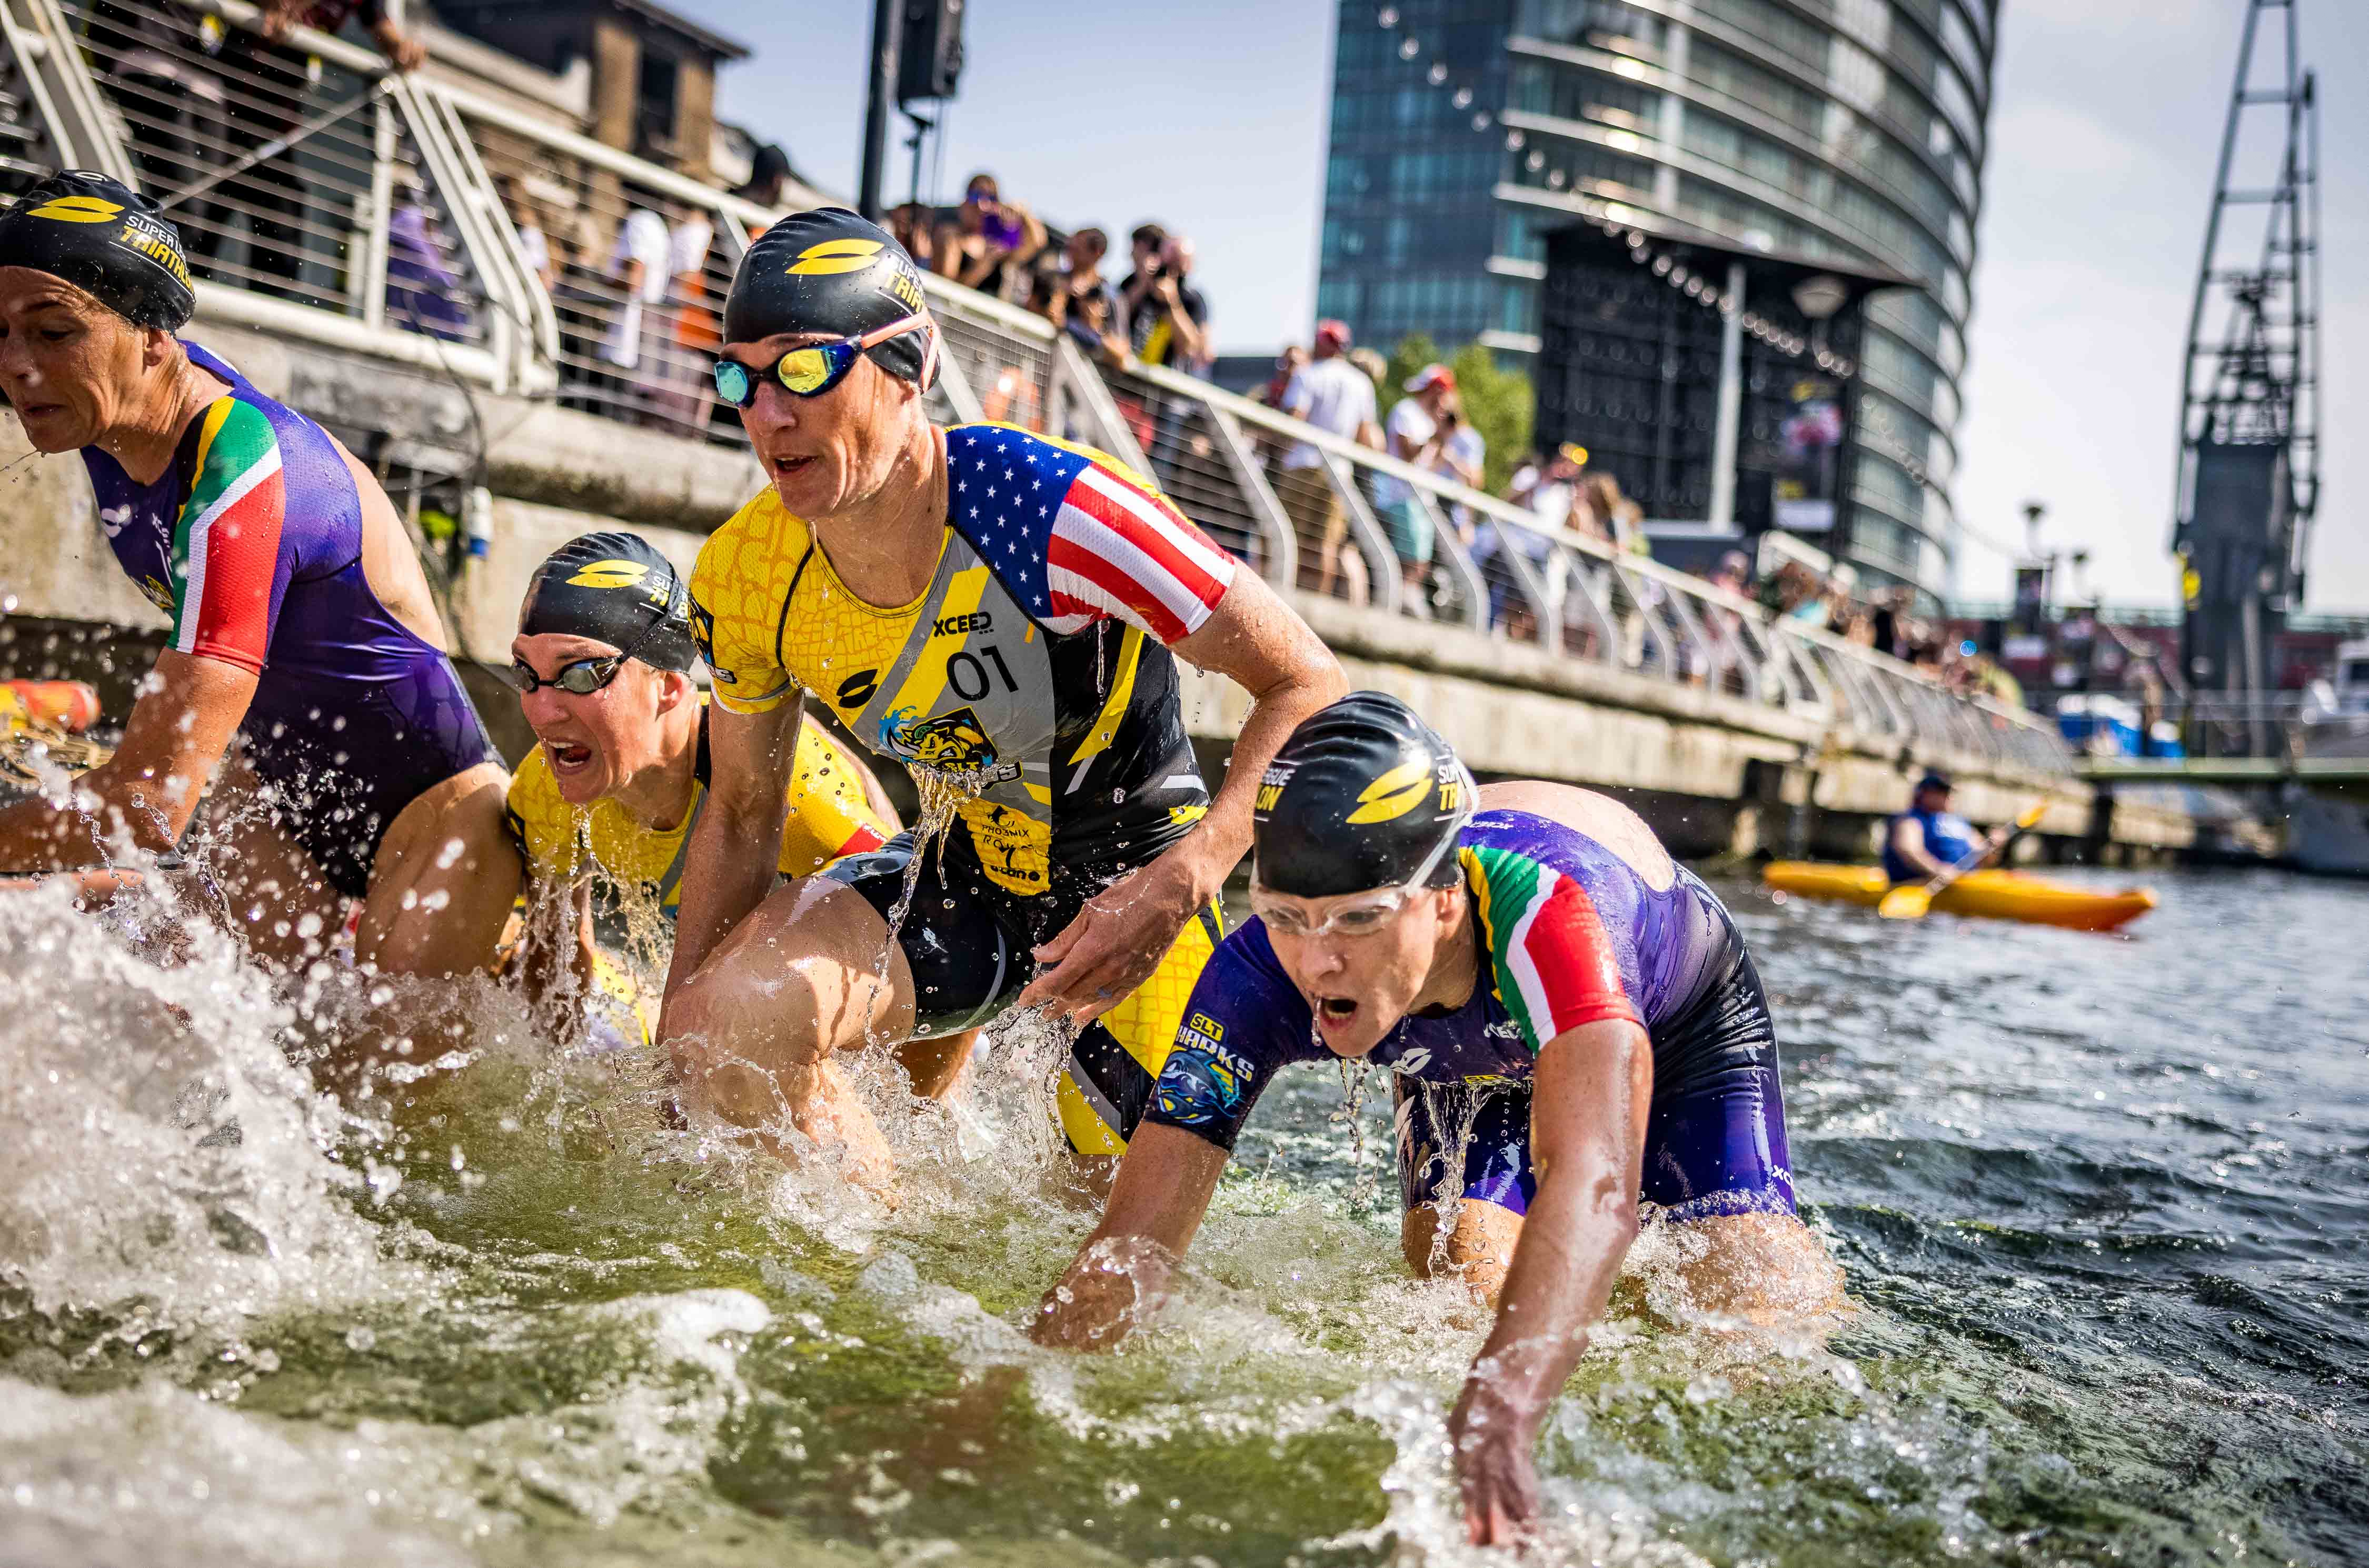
<point>964,670</point>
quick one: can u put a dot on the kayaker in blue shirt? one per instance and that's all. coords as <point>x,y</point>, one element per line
<point>1929,838</point>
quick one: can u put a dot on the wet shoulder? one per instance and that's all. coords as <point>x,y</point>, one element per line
<point>739,586</point>
<point>238,449</point>
<point>544,823</point>
<point>1559,915</point>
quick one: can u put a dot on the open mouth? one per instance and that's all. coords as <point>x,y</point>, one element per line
<point>566,759</point>
<point>783,467</point>
<point>1335,1013</point>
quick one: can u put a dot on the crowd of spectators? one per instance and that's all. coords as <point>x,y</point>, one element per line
<point>1154,315</point>
<point>632,291</point>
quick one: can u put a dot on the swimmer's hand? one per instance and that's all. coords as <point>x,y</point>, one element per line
<point>1116,1283</point>
<point>1491,1434</point>
<point>1118,939</point>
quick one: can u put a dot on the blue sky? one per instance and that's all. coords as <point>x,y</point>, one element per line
<point>1212,120</point>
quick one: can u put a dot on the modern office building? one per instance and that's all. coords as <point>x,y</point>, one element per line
<point>1465,132</point>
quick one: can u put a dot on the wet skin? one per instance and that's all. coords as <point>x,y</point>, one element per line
<point>1549,1273</point>
<point>768,985</point>
<point>78,374</point>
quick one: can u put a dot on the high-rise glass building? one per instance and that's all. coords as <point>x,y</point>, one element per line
<point>1465,131</point>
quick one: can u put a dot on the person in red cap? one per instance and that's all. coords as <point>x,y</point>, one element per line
<point>1334,395</point>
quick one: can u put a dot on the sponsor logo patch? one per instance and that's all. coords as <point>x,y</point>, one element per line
<point>836,256</point>
<point>78,210</point>
<point>609,574</point>
<point>1393,795</point>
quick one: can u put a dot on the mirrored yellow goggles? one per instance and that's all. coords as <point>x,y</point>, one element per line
<point>809,372</point>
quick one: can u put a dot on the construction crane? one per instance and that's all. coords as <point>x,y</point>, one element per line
<point>2249,479</point>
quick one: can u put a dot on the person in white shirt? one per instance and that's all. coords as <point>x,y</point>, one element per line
<point>1417,432</point>
<point>638,268</point>
<point>681,382</point>
<point>1334,395</point>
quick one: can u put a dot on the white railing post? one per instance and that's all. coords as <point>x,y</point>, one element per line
<point>1365,531</point>
<point>1444,537</point>
<point>1274,523</point>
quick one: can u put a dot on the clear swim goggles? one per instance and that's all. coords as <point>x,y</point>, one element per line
<point>1369,913</point>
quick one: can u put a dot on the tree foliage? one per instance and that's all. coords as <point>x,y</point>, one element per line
<point>1498,402</point>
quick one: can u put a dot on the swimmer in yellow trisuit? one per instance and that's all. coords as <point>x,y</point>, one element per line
<point>619,772</point>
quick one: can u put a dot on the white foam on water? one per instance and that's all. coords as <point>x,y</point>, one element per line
<point>156,1144</point>
<point>153,1474</point>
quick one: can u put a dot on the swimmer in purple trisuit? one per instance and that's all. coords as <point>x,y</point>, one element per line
<point>305,676</point>
<point>1570,1018</point>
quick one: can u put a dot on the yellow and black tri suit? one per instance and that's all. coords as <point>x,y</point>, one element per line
<point>830,815</point>
<point>1031,679</point>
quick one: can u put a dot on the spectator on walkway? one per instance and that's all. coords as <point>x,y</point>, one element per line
<point>1828,605</point>
<point>991,241</point>
<point>1288,364</point>
<point>1167,323</point>
<point>687,390</point>
<point>1144,247</point>
<point>272,85</point>
<point>1733,574</point>
<point>916,228</point>
<point>635,348</point>
<point>423,292</point>
<point>1374,368</point>
<point>1336,396</point>
<point>769,182</point>
<point>1417,435</point>
<point>1073,297</point>
<point>527,220</point>
<point>1270,392</point>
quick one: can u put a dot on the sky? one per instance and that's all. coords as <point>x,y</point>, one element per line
<point>2106,117</point>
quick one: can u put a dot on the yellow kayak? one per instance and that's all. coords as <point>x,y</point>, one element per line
<point>1991,895</point>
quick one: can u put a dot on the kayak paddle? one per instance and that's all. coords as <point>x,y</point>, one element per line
<point>1912,902</point>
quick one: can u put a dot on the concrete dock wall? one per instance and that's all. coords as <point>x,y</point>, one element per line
<point>1716,774</point>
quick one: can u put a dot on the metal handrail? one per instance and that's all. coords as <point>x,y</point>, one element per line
<point>1665,625</point>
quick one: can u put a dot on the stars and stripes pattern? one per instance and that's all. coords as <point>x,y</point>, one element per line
<point>1075,540</point>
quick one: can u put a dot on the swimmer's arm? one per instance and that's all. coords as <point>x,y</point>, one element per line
<point>1255,640</point>
<point>1909,843</point>
<point>1588,1102</point>
<point>1121,1274</point>
<point>736,845</point>
<point>188,709</point>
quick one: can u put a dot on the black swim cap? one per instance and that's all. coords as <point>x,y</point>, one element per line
<point>617,589</point>
<point>102,235</point>
<point>832,270</point>
<point>1360,797</point>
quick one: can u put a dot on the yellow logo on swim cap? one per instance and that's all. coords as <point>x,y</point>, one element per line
<point>836,256</point>
<point>1393,795</point>
<point>78,210</point>
<point>610,574</point>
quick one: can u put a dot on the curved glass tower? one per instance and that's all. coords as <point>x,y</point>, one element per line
<point>1850,130</point>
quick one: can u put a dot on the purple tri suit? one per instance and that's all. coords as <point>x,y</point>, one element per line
<point>1570,934</point>
<point>252,543</point>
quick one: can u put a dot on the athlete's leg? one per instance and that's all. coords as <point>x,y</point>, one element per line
<point>443,880</point>
<point>1464,1178</point>
<point>1764,1267</point>
<point>1117,1060</point>
<point>798,982</point>
<point>933,1063</point>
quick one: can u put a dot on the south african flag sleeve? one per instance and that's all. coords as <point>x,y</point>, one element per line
<point>1551,961</point>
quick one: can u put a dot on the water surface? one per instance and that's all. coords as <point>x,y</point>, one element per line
<point>2105,1202</point>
